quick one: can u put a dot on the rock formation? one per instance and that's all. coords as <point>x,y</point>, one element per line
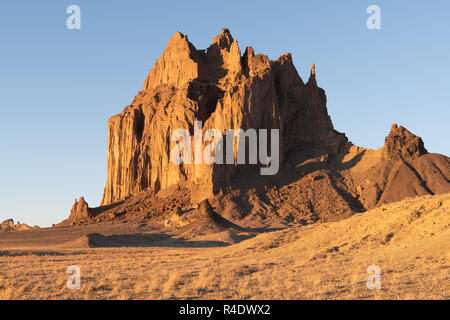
<point>402,144</point>
<point>8,225</point>
<point>80,211</point>
<point>322,176</point>
<point>224,90</point>
<point>207,221</point>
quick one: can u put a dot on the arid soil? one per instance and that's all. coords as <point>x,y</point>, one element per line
<point>407,240</point>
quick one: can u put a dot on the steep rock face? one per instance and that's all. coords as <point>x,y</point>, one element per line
<point>224,90</point>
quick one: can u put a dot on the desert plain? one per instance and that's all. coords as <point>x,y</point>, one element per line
<point>407,240</point>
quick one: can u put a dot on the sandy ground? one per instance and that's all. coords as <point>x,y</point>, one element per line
<point>409,241</point>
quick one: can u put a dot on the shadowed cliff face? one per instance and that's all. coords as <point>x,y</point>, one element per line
<point>223,89</point>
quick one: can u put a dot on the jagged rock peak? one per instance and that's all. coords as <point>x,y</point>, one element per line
<point>401,143</point>
<point>312,77</point>
<point>176,66</point>
<point>249,53</point>
<point>178,37</point>
<point>223,40</point>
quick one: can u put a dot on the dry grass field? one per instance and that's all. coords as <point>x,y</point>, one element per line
<point>408,240</point>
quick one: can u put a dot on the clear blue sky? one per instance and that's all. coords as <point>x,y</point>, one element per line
<point>58,86</point>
